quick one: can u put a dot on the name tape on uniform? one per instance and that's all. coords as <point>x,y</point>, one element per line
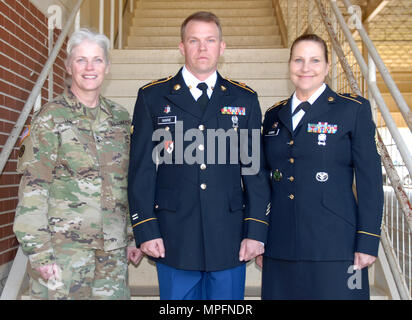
<point>166,120</point>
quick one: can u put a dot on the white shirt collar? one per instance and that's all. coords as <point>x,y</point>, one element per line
<point>192,82</point>
<point>311,100</point>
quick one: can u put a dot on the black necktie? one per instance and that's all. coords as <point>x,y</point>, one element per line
<point>303,106</point>
<point>204,98</point>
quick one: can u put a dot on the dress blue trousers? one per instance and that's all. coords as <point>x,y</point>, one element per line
<point>177,284</point>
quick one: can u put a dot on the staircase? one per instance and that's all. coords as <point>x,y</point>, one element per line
<point>254,56</point>
<point>245,23</point>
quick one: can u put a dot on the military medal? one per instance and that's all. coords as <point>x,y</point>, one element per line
<point>235,122</point>
<point>322,139</point>
<point>277,175</point>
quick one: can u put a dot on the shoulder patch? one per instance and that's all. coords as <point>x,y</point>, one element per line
<point>154,82</point>
<point>350,96</point>
<point>283,102</point>
<point>241,85</point>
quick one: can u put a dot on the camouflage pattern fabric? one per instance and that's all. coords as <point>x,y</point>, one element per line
<point>86,274</point>
<point>73,191</point>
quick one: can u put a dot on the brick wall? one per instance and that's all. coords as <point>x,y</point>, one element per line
<point>23,54</point>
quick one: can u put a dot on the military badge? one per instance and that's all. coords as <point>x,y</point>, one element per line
<point>277,175</point>
<point>322,139</point>
<point>169,146</point>
<point>322,176</point>
<point>24,135</point>
<point>235,122</point>
<point>166,109</point>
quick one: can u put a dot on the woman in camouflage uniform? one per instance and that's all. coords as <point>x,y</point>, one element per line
<point>72,218</point>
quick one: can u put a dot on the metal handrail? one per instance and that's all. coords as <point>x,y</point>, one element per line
<point>14,135</point>
<point>403,148</point>
<point>393,88</point>
<point>393,265</point>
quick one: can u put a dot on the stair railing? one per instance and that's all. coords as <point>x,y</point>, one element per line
<point>115,36</point>
<point>325,18</point>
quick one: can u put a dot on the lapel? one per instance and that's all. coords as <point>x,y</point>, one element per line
<point>181,97</point>
<point>285,115</point>
<point>221,97</point>
<point>322,105</point>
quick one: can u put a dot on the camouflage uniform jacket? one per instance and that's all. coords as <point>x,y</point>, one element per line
<point>73,191</point>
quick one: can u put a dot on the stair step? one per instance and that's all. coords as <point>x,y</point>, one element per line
<point>224,21</point>
<point>403,86</point>
<point>235,70</point>
<point>143,1</point>
<point>221,13</point>
<point>227,31</point>
<point>251,293</point>
<point>164,41</point>
<point>205,5</point>
<point>174,56</point>
<point>393,107</point>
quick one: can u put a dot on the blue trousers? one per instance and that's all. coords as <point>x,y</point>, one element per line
<point>176,284</point>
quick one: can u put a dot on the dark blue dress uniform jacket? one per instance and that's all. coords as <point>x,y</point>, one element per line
<point>315,215</point>
<point>202,210</point>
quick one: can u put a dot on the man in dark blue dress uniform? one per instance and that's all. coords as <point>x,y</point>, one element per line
<point>198,207</point>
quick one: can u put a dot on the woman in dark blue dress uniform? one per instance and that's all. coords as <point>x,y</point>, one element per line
<point>322,237</point>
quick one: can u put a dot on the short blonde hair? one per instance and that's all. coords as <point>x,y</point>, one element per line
<point>203,16</point>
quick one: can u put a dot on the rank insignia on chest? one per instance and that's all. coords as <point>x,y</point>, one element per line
<point>322,127</point>
<point>238,111</point>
